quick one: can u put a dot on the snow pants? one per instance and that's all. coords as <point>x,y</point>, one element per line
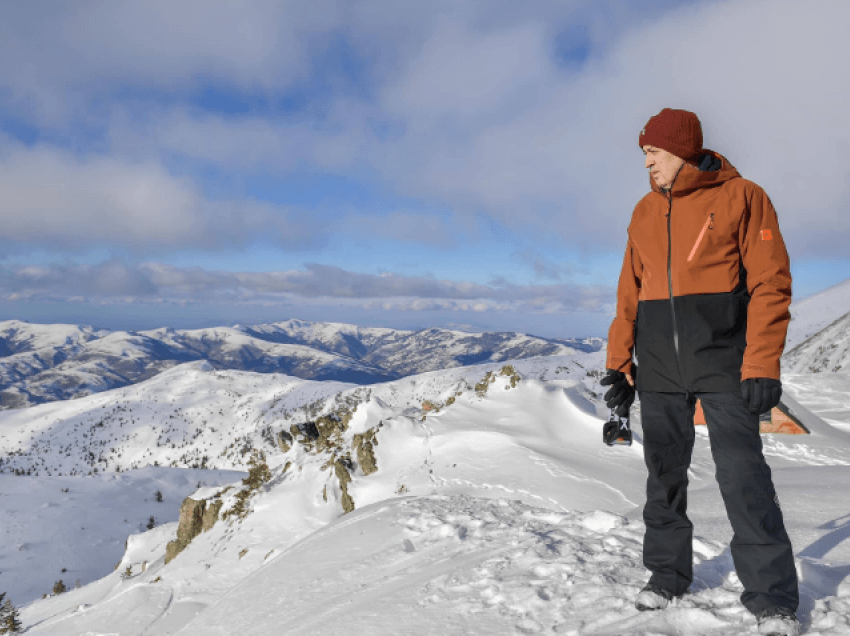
<point>761,549</point>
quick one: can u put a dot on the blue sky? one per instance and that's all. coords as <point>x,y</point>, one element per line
<point>466,164</point>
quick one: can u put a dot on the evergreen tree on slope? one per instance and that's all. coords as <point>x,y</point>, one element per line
<point>10,623</point>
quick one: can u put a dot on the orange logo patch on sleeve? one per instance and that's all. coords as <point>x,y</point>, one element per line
<point>766,235</point>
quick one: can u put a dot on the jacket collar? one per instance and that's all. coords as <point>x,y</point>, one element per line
<point>691,178</point>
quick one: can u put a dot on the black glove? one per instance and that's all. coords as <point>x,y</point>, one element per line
<point>621,395</point>
<point>761,394</point>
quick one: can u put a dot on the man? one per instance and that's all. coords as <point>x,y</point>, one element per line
<point>702,303</point>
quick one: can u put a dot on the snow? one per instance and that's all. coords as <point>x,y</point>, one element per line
<point>25,336</point>
<point>811,314</point>
<point>45,363</point>
<point>496,511</point>
<point>828,350</point>
<point>74,529</point>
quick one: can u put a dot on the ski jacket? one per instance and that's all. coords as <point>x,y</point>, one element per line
<point>705,287</point>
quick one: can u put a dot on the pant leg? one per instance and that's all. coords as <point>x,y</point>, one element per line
<point>668,437</point>
<point>761,549</point>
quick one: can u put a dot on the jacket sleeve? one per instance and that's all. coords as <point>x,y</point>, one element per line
<point>621,335</point>
<point>769,283</point>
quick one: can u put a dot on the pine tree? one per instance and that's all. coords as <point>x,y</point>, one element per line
<point>10,623</point>
<point>59,587</point>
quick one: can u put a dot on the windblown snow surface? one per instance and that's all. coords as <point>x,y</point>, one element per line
<point>498,513</point>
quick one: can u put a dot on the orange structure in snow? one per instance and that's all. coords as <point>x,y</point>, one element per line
<point>780,421</point>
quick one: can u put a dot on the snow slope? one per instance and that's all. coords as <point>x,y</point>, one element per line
<point>811,314</point>
<point>498,511</point>
<point>75,530</point>
<point>826,351</point>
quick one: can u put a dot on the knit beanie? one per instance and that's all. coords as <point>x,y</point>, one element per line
<point>676,131</point>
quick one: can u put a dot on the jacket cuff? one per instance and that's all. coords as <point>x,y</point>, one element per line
<point>758,371</point>
<point>619,364</point>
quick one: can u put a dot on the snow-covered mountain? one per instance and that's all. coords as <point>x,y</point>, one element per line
<point>42,363</point>
<point>476,499</point>
<point>819,334</point>
<point>828,350</point>
<point>813,313</point>
<point>473,498</point>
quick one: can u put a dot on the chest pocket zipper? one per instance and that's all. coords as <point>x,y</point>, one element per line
<point>709,225</point>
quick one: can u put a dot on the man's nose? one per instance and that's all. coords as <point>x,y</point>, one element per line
<point>648,161</point>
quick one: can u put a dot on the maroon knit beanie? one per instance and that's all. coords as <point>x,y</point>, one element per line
<point>676,131</point>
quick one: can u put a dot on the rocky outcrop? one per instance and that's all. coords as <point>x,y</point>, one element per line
<point>195,517</point>
<point>490,377</point>
<point>284,441</point>
<point>190,526</point>
<point>486,381</point>
<point>325,434</point>
<point>211,514</point>
<point>509,371</point>
<point>363,446</point>
<point>344,478</point>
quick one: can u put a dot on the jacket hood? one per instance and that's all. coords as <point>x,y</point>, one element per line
<point>691,178</point>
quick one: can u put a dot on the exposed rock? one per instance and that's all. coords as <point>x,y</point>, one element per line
<point>344,478</point>
<point>481,387</point>
<point>190,526</point>
<point>364,444</point>
<point>509,371</point>
<point>331,427</point>
<point>328,425</point>
<point>306,430</point>
<point>284,441</point>
<point>211,514</point>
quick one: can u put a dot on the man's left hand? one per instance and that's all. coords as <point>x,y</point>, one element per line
<point>761,394</point>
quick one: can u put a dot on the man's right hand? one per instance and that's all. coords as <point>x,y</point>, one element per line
<point>621,395</point>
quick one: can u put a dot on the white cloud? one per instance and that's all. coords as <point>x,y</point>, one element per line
<point>53,197</point>
<point>462,104</point>
<point>96,46</point>
<point>115,281</point>
<point>461,74</point>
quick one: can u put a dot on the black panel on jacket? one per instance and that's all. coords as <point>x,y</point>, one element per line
<point>711,348</point>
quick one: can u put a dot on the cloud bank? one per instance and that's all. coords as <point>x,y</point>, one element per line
<point>144,129</point>
<point>117,282</point>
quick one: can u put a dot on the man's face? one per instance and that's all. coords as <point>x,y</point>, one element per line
<point>663,166</point>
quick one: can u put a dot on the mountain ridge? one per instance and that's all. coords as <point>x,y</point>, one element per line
<point>44,363</point>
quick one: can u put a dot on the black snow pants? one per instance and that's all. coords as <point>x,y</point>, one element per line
<point>761,549</point>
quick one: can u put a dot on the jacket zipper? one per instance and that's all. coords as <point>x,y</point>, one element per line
<point>670,287</point>
<point>709,223</point>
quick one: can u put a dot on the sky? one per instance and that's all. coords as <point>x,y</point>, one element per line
<point>468,164</point>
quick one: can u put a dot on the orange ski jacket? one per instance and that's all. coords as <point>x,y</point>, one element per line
<point>705,287</point>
